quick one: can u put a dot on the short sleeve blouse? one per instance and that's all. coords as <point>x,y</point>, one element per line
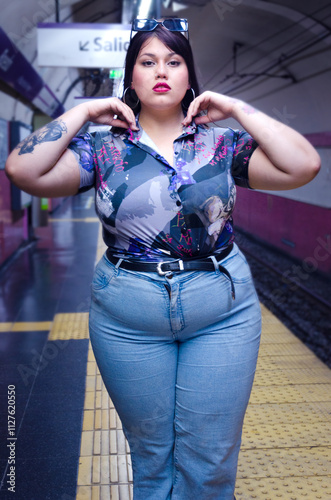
<point>151,210</point>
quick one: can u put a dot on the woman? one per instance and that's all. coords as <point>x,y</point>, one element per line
<point>174,319</point>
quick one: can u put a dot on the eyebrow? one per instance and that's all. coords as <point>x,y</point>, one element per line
<point>150,54</point>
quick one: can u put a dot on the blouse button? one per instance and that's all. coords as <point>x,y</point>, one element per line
<point>178,203</point>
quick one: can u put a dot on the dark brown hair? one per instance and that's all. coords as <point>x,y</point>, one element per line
<point>177,42</point>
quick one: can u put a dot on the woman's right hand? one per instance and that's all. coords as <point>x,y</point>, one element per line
<point>111,111</point>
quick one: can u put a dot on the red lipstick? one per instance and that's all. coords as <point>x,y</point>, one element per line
<point>161,87</point>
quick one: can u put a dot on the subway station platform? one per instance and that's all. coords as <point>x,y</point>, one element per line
<point>65,437</point>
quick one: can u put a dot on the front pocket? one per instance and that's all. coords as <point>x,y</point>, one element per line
<point>103,274</point>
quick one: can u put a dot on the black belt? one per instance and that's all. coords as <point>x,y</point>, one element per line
<point>166,268</point>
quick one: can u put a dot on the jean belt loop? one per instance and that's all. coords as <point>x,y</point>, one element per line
<point>118,263</point>
<point>216,264</point>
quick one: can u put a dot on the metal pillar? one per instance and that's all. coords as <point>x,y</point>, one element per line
<point>130,10</point>
<point>57,11</point>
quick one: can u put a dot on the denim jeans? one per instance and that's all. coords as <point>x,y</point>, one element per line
<point>178,356</point>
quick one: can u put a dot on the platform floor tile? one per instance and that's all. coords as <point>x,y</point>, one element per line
<point>105,465</point>
<point>286,488</point>
<point>280,462</point>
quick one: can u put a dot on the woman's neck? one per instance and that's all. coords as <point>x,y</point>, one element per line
<point>167,123</point>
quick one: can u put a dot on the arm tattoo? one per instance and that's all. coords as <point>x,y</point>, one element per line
<point>83,152</point>
<point>246,108</point>
<point>51,132</point>
<point>249,110</point>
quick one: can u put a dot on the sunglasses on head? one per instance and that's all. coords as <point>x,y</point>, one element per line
<point>171,24</point>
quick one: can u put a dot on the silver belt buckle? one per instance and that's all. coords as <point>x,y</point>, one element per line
<point>165,273</point>
<point>159,269</point>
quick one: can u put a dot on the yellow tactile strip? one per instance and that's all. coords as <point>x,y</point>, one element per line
<point>26,326</point>
<point>69,326</point>
<point>84,219</point>
<point>104,467</point>
<point>286,446</point>
<point>75,325</point>
<point>64,326</point>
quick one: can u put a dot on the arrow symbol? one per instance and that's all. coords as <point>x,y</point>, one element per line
<point>83,46</point>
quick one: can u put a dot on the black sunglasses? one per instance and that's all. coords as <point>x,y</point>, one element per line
<point>171,24</point>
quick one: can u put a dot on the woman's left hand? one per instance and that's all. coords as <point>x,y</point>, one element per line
<point>284,158</point>
<point>215,106</point>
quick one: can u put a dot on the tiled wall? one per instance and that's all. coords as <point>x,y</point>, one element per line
<point>300,229</point>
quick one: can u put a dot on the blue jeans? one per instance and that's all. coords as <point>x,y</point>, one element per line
<point>178,356</point>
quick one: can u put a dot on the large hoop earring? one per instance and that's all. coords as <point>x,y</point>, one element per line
<point>133,105</point>
<point>193,93</point>
<point>188,99</point>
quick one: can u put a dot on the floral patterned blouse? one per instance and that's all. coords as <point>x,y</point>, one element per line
<point>151,210</point>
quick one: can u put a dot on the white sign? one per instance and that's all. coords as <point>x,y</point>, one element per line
<point>83,45</point>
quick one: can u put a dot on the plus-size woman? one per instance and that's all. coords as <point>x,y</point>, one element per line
<point>174,320</point>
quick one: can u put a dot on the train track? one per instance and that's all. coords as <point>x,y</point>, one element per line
<point>288,281</point>
<point>306,313</point>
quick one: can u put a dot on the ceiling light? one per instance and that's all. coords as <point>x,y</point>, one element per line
<point>144,8</point>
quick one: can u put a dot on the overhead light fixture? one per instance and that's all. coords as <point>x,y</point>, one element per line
<point>176,6</point>
<point>144,9</point>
